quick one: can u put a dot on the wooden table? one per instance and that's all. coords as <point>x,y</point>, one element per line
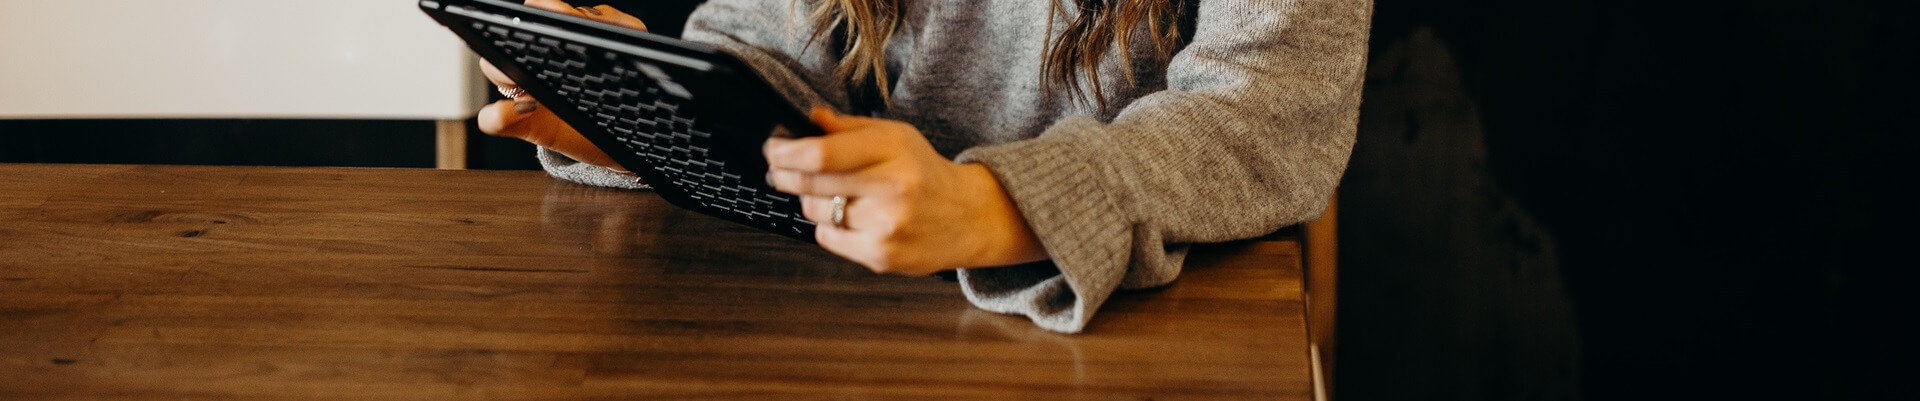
<point>154,282</point>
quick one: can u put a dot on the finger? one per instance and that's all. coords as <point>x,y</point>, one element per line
<point>810,184</point>
<point>608,14</point>
<point>851,143</point>
<point>865,248</point>
<point>557,6</point>
<point>818,209</point>
<point>845,242</point>
<point>496,76</point>
<point>541,127</point>
<point>835,153</point>
<point>497,118</point>
<point>602,13</point>
<point>832,122</point>
<point>862,215</point>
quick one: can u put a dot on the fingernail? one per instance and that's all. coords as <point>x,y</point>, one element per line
<point>589,10</point>
<point>769,179</point>
<point>525,106</point>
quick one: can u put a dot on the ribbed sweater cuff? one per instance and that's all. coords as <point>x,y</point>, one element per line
<point>563,167</point>
<point>1065,194</point>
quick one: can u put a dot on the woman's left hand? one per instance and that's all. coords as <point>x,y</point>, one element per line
<point>908,210</point>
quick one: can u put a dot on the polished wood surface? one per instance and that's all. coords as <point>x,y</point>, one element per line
<point>152,282</point>
<point>1321,255</point>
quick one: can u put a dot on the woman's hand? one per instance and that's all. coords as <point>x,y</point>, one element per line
<point>522,117</point>
<point>909,210</point>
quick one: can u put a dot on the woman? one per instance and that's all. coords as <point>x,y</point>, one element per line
<point>1051,152</point>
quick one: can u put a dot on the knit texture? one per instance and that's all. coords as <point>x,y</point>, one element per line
<point>1246,130</point>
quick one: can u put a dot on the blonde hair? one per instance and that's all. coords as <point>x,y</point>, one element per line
<point>1072,58</point>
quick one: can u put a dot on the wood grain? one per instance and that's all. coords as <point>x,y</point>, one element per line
<point>154,282</point>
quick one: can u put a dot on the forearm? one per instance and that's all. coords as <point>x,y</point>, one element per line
<point>1251,134</point>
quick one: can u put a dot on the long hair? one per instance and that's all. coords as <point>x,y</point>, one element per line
<point>1072,57</point>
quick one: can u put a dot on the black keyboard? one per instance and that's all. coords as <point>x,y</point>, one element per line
<point>643,108</point>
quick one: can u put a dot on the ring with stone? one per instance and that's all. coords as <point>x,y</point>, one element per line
<point>511,93</point>
<point>840,212</point>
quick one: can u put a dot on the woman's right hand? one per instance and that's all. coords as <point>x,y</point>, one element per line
<point>523,117</point>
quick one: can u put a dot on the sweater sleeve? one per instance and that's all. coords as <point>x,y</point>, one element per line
<point>770,36</point>
<point>1252,134</point>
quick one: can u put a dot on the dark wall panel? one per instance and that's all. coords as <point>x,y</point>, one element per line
<point>220,142</point>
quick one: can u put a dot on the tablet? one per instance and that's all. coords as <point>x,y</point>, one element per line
<point>687,118</point>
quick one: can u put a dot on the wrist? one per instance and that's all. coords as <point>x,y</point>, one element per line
<point>1001,234</point>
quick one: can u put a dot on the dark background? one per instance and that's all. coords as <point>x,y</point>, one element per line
<point>1565,200</point>
<point>1629,200</point>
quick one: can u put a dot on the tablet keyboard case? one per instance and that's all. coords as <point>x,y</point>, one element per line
<point>690,120</point>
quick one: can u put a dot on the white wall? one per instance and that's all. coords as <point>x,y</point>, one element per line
<point>377,59</point>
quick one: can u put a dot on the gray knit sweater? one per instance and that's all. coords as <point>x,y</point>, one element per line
<point>1245,131</point>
